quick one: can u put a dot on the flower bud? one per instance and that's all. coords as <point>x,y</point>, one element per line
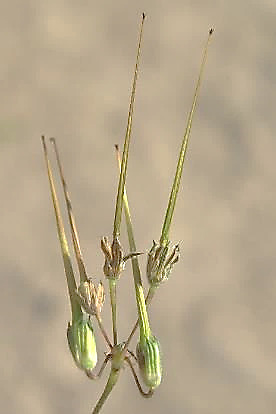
<point>149,360</point>
<point>159,265</point>
<point>82,344</point>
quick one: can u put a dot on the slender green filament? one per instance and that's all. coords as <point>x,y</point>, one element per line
<point>119,201</point>
<point>80,332</point>
<point>164,239</point>
<point>140,298</point>
<point>72,221</point>
<point>71,283</point>
<point>112,379</point>
<point>113,302</point>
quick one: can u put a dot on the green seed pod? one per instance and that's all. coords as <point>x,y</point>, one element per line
<point>149,360</point>
<point>82,344</point>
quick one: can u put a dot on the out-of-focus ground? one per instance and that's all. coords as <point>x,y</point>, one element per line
<point>66,71</point>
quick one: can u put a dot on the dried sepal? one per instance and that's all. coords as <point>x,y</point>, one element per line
<point>114,263</point>
<point>118,263</point>
<point>114,259</point>
<point>91,297</point>
<point>160,262</point>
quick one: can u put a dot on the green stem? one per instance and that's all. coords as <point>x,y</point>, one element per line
<point>142,312</point>
<point>103,331</point>
<point>174,191</point>
<point>150,294</point>
<point>136,379</point>
<point>98,376</point>
<point>71,283</point>
<point>140,298</point>
<point>112,291</point>
<point>112,379</point>
<point>122,179</point>
<point>72,221</point>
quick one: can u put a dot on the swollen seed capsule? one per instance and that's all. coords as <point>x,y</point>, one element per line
<point>82,344</point>
<point>149,360</point>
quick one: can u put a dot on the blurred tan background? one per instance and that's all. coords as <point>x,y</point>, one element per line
<point>66,71</point>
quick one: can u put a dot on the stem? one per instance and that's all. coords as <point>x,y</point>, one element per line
<point>72,221</point>
<point>122,179</point>
<point>174,191</point>
<point>112,291</point>
<point>142,312</point>
<point>142,392</point>
<point>140,298</point>
<point>103,331</point>
<point>92,376</point>
<point>112,379</point>
<point>150,294</point>
<point>71,283</point>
